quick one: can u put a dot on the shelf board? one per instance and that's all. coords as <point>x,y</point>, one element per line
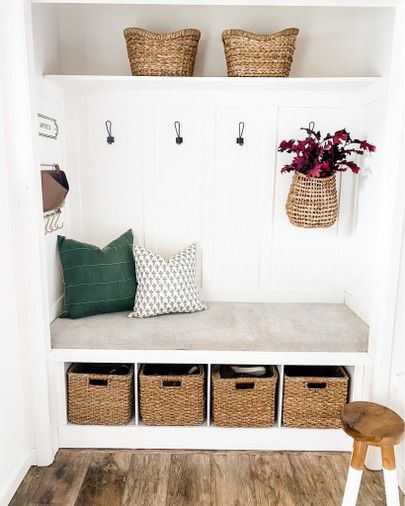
<point>147,83</point>
<point>265,3</point>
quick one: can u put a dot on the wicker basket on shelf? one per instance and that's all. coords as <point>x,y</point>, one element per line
<point>244,401</point>
<point>100,394</point>
<point>169,395</point>
<point>153,54</point>
<point>312,202</point>
<point>252,55</point>
<point>314,396</point>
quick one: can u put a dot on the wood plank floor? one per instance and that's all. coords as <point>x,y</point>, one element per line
<point>194,478</point>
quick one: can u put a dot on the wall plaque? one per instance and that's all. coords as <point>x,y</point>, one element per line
<point>47,126</point>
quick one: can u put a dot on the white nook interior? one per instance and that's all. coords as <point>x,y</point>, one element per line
<point>230,199</point>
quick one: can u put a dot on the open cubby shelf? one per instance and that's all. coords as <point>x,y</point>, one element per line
<point>136,434</point>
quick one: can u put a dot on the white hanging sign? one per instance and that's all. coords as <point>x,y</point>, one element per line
<point>47,126</point>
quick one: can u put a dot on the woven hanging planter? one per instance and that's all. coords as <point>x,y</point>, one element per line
<point>312,202</point>
<point>253,55</point>
<point>153,54</point>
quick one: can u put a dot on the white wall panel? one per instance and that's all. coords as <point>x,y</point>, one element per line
<point>178,192</point>
<point>238,197</point>
<point>51,151</point>
<point>304,259</point>
<point>111,181</point>
<point>363,238</point>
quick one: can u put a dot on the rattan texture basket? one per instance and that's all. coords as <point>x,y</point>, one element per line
<point>172,399</point>
<point>314,401</point>
<point>233,406</point>
<point>153,54</point>
<point>252,55</point>
<point>312,202</point>
<point>100,399</point>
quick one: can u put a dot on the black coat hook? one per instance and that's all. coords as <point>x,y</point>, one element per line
<point>110,138</point>
<point>240,140</point>
<point>179,139</point>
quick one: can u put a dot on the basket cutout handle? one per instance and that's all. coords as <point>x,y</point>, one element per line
<point>244,386</point>
<point>94,382</point>
<point>317,386</point>
<point>171,383</point>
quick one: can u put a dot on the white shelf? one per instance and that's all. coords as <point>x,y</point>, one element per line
<point>146,83</point>
<point>270,3</point>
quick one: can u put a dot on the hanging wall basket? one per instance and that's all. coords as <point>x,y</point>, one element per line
<point>312,202</point>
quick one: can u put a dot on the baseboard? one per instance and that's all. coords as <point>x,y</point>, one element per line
<point>16,477</point>
<point>272,295</point>
<point>56,309</point>
<point>358,307</point>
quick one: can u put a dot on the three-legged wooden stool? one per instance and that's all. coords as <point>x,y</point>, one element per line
<point>371,424</point>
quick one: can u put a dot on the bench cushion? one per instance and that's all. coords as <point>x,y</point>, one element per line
<point>226,326</point>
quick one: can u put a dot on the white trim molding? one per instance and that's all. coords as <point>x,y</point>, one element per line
<point>16,476</point>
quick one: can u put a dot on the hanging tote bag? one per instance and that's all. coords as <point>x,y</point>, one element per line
<point>55,187</point>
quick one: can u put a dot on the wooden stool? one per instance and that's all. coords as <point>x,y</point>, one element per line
<point>371,424</point>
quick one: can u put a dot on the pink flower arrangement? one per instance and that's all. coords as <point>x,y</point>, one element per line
<point>317,157</point>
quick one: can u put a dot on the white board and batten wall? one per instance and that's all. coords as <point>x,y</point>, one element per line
<point>230,199</point>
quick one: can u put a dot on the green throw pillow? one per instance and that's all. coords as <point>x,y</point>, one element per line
<point>97,280</point>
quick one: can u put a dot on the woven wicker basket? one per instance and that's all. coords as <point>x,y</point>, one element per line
<point>314,396</point>
<point>168,396</point>
<point>244,401</point>
<point>152,54</point>
<point>251,55</point>
<point>312,202</point>
<point>100,394</point>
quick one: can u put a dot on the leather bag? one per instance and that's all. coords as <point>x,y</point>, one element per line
<point>55,187</point>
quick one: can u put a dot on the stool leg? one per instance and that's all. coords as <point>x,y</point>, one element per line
<point>355,474</point>
<point>390,476</point>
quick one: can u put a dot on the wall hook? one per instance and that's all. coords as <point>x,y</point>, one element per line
<point>179,139</point>
<point>52,221</point>
<point>110,138</point>
<point>240,140</point>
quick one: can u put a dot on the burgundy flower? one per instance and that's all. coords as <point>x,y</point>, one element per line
<point>367,147</point>
<point>353,166</point>
<point>317,157</point>
<point>340,135</point>
<point>286,145</point>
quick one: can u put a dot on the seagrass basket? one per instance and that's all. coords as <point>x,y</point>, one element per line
<point>313,397</point>
<point>312,202</point>
<point>168,395</point>
<point>252,55</point>
<point>153,54</point>
<point>244,401</point>
<point>100,394</point>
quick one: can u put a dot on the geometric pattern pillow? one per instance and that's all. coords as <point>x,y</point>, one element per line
<point>166,286</point>
<point>97,280</point>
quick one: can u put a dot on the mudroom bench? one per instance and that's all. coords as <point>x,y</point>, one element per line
<point>227,333</point>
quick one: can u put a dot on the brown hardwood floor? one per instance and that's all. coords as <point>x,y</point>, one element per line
<point>194,478</point>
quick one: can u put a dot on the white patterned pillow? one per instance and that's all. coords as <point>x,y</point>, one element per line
<point>166,286</point>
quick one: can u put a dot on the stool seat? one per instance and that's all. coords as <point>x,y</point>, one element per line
<point>372,424</point>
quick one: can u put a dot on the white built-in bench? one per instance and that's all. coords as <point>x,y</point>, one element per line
<point>228,332</point>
